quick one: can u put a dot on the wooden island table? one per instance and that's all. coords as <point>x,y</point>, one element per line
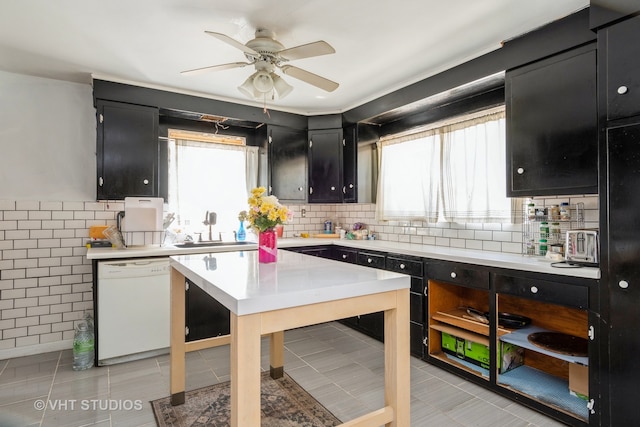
<point>267,299</point>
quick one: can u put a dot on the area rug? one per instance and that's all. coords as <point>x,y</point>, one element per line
<point>283,403</point>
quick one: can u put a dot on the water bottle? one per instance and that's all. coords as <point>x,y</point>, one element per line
<point>83,347</point>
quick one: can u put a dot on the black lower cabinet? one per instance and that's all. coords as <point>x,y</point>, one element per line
<point>205,317</point>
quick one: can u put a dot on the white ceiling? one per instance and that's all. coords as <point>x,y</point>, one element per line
<point>381,45</point>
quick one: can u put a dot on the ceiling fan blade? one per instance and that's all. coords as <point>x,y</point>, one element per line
<point>307,50</point>
<point>217,67</point>
<point>308,77</point>
<point>225,38</point>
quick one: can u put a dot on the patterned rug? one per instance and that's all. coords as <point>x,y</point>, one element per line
<point>283,402</point>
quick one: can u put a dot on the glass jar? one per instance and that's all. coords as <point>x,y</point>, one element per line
<point>565,211</point>
<point>554,212</point>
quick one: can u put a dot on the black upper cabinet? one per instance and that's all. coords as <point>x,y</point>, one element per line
<point>325,166</point>
<point>288,163</point>
<point>552,136</point>
<point>622,56</point>
<point>127,150</point>
<point>350,164</point>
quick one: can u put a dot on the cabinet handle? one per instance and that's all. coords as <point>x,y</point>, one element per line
<point>622,90</point>
<point>453,275</point>
<point>344,190</point>
<point>350,185</point>
<point>369,260</point>
<point>344,256</point>
<point>534,290</point>
<point>145,181</point>
<point>623,284</point>
<point>520,171</point>
<point>333,188</point>
<point>402,266</point>
<point>300,188</point>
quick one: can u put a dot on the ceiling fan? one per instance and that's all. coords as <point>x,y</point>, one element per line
<point>266,54</point>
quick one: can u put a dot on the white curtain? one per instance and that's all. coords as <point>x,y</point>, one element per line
<point>409,179</point>
<point>451,172</point>
<point>210,177</point>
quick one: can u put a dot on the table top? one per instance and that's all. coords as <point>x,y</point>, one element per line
<point>245,286</point>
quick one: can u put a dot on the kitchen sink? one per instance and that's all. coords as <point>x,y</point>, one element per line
<point>208,244</point>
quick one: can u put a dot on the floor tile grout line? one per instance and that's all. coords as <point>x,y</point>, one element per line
<point>53,381</point>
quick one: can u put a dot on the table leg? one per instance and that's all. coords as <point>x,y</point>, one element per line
<point>177,351</point>
<point>245,370</point>
<point>397,360</point>
<point>276,353</point>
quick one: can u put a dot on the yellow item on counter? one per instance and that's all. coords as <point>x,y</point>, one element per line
<point>305,235</point>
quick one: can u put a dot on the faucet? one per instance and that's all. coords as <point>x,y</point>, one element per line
<point>210,219</point>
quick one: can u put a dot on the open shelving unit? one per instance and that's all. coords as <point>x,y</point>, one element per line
<point>447,316</point>
<point>531,228</point>
<point>544,376</point>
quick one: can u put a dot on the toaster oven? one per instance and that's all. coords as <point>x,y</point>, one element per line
<point>581,247</point>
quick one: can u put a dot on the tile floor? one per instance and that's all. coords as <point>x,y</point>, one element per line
<point>337,365</point>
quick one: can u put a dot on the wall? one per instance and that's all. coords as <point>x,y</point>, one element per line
<point>486,237</point>
<point>48,139</point>
<point>47,201</point>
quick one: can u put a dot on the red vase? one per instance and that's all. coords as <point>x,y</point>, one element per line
<point>267,246</point>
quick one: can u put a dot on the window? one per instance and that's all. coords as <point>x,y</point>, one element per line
<point>208,176</point>
<point>453,172</point>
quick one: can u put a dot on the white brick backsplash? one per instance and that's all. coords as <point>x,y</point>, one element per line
<point>6,304</point>
<point>38,311</point>
<point>27,321</point>
<point>61,308</point>
<point>13,293</point>
<point>14,333</point>
<point>37,292</point>
<point>51,206</point>
<point>73,206</point>
<point>26,302</point>
<point>26,263</point>
<point>24,244</point>
<point>24,282</point>
<point>29,225</point>
<point>16,234</point>
<point>38,272</point>
<point>62,215</point>
<point>8,225</point>
<point>26,341</point>
<point>16,215</point>
<point>53,337</point>
<point>42,215</point>
<point>13,313</point>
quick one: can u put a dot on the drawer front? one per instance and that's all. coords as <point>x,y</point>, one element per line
<point>460,274</point>
<point>345,255</point>
<point>371,259</point>
<point>409,266</point>
<point>542,290</point>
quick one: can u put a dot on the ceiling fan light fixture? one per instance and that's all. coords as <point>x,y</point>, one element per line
<point>281,87</point>
<point>247,88</point>
<point>263,82</point>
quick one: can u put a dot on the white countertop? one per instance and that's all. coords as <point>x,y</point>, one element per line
<point>245,286</point>
<point>484,258</point>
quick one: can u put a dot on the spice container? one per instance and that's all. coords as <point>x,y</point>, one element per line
<point>554,212</point>
<point>544,230</point>
<point>543,247</point>
<point>531,211</point>
<point>554,232</point>
<point>565,211</point>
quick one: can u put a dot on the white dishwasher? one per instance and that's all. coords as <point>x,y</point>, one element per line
<point>133,309</point>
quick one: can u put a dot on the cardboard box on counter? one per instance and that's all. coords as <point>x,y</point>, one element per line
<point>510,356</point>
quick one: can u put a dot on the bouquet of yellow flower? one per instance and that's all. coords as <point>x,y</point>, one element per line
<point>265,212</point>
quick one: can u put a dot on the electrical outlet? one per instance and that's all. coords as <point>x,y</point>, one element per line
<point>303,213</point>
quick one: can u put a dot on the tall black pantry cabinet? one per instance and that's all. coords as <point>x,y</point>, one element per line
<point>619,111</point>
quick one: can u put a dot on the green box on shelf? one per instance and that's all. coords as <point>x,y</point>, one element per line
<point>510,356</point>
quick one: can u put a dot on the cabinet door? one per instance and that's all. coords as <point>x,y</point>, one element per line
<point>350,165</point>
<point>205,317</point>
<point>127,151</point>
<point>325,166</point>
<point>552,140</point>
<point>624,287</point>
<point>288,163</point>
<point>623,69</point>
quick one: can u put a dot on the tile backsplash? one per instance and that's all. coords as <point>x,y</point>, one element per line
<point>46,280</point>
